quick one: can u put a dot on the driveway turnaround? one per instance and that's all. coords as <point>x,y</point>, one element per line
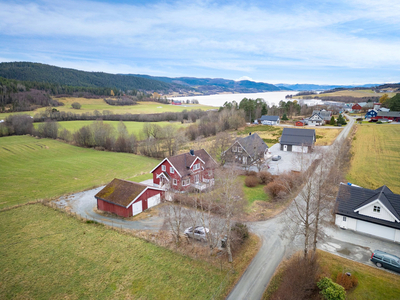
<point>84,204</point>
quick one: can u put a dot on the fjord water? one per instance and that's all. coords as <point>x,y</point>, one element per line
<point>218,100</point>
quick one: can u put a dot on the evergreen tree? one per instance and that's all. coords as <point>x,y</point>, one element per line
<point>332,121</point>
<point>341,120</point>
<point>284,117</point>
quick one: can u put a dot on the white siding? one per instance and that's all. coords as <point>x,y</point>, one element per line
<point>397,236</point>
<point>383,214</point>
<point>299,149</point>
<point>137,208</point>
<point>350,223</point>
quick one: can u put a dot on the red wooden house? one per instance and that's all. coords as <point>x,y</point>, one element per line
<point>356,107</point>
<point>176,102</point>
<point>180,172</point>
<point>127,198</point>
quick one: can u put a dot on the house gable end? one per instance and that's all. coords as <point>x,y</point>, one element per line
<point>384,213</point>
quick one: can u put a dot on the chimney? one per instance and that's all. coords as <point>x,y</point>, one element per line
<point>191,152</point>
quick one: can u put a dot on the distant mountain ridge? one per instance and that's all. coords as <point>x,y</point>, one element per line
<point>217,85</point>
<point>317,87</point>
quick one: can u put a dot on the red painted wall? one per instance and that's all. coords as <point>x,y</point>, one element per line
<point>116,209</point>
<point>159,170</point>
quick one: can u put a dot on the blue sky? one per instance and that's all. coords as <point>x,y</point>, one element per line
<point>281,41</point>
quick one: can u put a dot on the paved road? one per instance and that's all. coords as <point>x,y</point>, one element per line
<point>257,276</point>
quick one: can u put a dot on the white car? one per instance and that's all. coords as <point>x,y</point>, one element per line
<point>198,233</point>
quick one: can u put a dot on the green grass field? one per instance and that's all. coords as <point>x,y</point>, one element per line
<point>376,157</point>
<point>373,284</point>
<point>255,193</point>
<point>46,254</point>
<point>33,168</point>
<point>132,127</point>
<point>90,105</point>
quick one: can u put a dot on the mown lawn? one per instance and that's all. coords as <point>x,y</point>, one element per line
<point>376,157</point>
<point>46,254</point>
<point>132,127</point>
<point>373,284</point>
<point>32,169</point>
<point>255,193</point>
<point>90,105</point>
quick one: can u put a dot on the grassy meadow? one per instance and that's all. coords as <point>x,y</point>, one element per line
<point>90,105</point>
<point>376,157</point>
<point>32,169</point>
<point>132,127</point>
<point>50,255</point>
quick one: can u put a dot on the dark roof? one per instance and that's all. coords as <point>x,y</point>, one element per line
<point>297,136</point>
<point>253,144</point>
<point>324,114</point>
<point>121,192</point>
<point>182,162</point>
<point>269,118</point>
<point>388,114</point>
<point>351,198</point>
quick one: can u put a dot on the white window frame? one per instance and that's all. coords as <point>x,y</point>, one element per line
<point>344,219</point>
<point>163,168</point>
<point>234,149</point>
<point>196,166</point>
<point>244,160</point>
<point>186,182</point>
<point>197,178</point>
<point>171,170</point>
<point>377,209</point>
<point>174,181</point>
<point>210,172</point>
<point>239,149</point>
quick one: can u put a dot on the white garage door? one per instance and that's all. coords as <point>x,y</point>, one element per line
<point>377,230</point>
<point>137,207</point>
<point>153,201</point>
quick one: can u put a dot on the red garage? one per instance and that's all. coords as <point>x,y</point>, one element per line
<point>127,198</point>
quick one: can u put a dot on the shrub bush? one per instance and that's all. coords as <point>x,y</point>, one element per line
<point>265,177</point>
<point>251,173</point>
<point>348,282</point>
<point>331,290</point>
<point>76,105</point>
<point>275,188</point>
<point>251,181</point>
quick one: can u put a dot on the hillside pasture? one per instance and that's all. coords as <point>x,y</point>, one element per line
<point>90,105</point>
<point>376,157</point>
<point>32,169</point>
<point>49,255</point>
<point>132,127</point>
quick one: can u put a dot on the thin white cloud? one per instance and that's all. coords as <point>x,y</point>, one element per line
<point>232,37</point>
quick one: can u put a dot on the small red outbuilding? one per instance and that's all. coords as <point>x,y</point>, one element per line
<point>127,198</point>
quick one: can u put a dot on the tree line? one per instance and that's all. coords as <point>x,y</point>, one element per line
<point>153,141</point>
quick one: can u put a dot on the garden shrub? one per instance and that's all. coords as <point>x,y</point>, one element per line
<point>331,290</point>
<point>275,188</point>
<point>348,282</point>
<point>251,181</point>
<point>265,177</point>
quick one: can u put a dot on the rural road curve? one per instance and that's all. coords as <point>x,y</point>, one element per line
<point>253,282</point>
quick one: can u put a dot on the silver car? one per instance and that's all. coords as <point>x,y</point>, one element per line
<point>198,233</point>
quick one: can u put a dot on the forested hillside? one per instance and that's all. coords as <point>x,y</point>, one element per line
<point>217,85</point>
<point>28,71</point>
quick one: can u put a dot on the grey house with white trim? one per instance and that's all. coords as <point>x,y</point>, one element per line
<point>373,212</point>
<point>246,151</point>
<point>298,140</point>
<point>269,120</point>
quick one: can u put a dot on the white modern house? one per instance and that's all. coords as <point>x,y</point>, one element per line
<point>373,212</point>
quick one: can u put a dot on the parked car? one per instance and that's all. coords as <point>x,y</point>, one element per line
<point>386,260</point>
<point>198,233</point>
<point>276,157</point>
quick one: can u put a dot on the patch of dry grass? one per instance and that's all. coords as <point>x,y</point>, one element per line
<point>326,136</point>
<point>376,157</point>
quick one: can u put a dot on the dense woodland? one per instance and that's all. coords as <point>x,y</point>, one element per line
<point>27,71</point>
